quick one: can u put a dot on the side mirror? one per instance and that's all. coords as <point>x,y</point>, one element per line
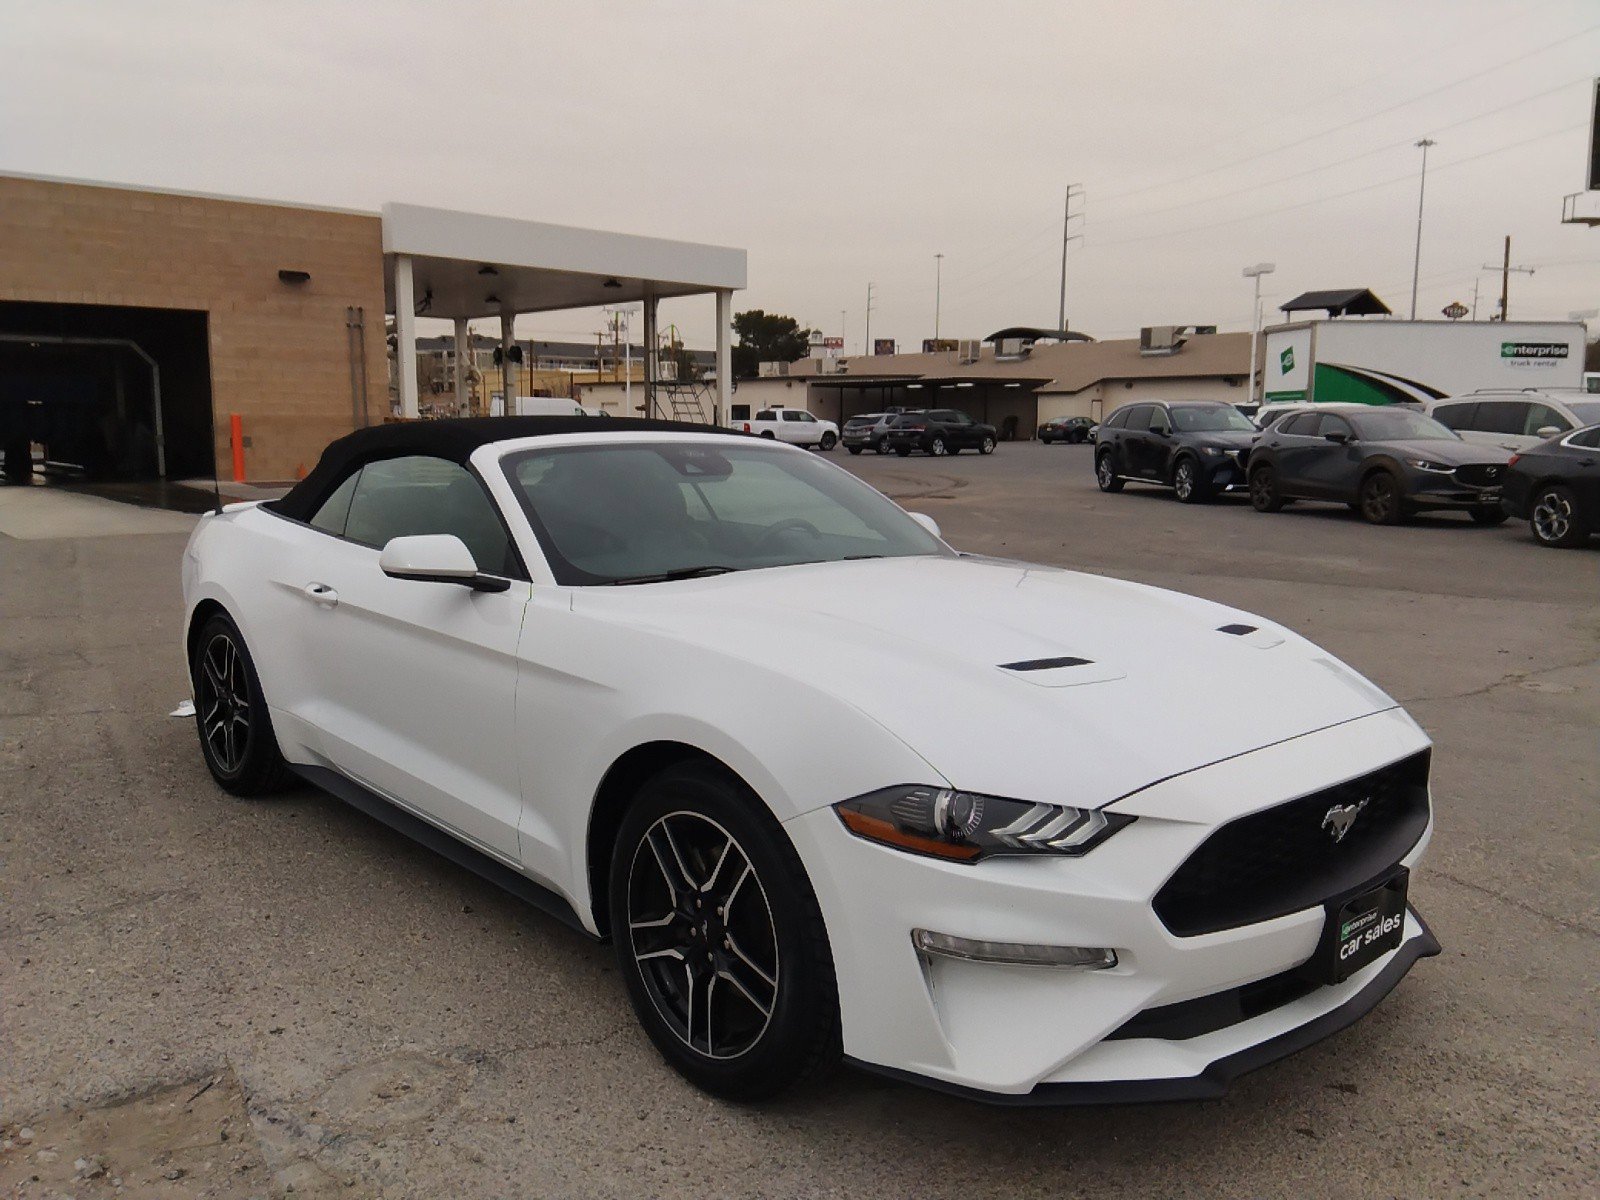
<point>1340,438</point>
<point>1160,431</point>
<point>927,523</point>
<point>436,558</point>
<point>1546,431</point>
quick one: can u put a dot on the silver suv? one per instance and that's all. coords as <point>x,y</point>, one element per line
<point>1516,420</point>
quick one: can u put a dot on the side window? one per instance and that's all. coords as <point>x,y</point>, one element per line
<point>1157,418</point>
<point>399,497</point>
<point>330,518</point>
<point>766,414</point>
<point>960,418</point>
<point>1299,424</point>
<point>1117,419</point>
<point>1334,424</point>
<point>1456,416</point>
<point>1501,416</point>
<point>1588,438</point>
<point>1542,416</point>
<point>1138,417</point>
<point>789,414</point>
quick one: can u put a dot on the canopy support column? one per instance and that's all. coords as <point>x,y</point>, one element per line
<point>651,371</point>
<point>508,369</point>
<point>405,333</point>
<point>723,414</point>
<point>463,364</point>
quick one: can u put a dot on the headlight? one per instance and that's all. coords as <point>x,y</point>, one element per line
<point>1427,464</point>
<point>966,826</point>
<point>1210,450</point>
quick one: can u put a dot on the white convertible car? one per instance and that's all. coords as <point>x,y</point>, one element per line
<point>1009,830</point>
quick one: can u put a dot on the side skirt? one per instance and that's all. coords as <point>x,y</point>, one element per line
<point>343,788</point>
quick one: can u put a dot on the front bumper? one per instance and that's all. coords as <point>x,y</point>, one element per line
<point>1434,490</point>
<point>1022,1034</point>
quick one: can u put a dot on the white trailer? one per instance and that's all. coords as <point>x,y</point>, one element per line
<point>1385,362</point>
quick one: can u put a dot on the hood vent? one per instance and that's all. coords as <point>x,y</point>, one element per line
<point>1046,664</point>
<point>1236,630</point>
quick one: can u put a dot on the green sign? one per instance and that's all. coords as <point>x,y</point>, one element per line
<point>1533,349</point>
<point>1286,359</point>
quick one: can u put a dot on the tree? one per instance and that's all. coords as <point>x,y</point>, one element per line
<point>766,337</point>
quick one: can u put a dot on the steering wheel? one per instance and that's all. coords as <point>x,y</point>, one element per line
<point>784,526</point>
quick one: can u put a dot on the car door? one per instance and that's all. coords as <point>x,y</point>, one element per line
<point>416,680</point>
<point>1152,444</point>
<point>793,428</point>
<point>1331,469</point>
<point>1132,426</point>
<point>1542,421</point>
<point>1295,445</point>
<point>1583,473</point>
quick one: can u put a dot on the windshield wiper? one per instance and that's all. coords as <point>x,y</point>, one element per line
<point>676,573</point>
<point>859,557</point>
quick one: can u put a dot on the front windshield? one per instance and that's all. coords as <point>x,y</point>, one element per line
<point>1400,425</point>
<point>644,511</point>
<point>1587,411</point>
<point>1209,418</point>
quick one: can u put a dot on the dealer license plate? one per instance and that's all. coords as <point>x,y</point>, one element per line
<point>1362,929</point>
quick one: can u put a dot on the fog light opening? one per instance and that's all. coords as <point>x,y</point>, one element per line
<point>1016,954</point>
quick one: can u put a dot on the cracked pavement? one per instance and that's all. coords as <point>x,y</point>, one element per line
<point>393,1026</point>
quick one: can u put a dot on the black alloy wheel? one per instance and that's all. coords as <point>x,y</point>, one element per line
<point>1381,499</point>
<point>719,936</point>
<point>883,446</point>
<point>1105,473</point>
<point>1264,494</point>
<point>1189,483</point>
<point>1554,518</point>
<point>236,737</point>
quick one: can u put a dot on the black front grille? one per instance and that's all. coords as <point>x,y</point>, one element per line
<point>1481,474</point>
<point>1287,858</point>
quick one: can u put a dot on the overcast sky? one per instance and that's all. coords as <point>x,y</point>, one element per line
<point>848,143</point>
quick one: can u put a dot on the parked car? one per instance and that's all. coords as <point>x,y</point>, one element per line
<point>1270,414</point>
<point>1073,430</point>
<point>1516,420</point>
<point>1555,487</point>
<point>1384,462</point>
<point>545,647</point>
<point>1196,447</point>
<point>793,425</point>
<point>938,432</point>
<point>865,432</point>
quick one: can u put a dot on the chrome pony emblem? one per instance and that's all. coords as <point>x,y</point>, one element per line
<point>1341,817</point>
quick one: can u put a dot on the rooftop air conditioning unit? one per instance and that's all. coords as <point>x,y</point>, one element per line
<point>967,350</point>
<point>1156,340</point>
<point>1012,348</point>
<point>830,366</point>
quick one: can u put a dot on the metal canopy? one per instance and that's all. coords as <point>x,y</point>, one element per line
<point>535,267</point>
<point>1344,302</point>
<point>461,266</point>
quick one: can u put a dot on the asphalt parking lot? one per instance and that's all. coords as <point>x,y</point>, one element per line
<point>381,1022</point>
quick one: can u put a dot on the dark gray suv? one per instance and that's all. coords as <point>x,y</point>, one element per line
<point>1386,463</point>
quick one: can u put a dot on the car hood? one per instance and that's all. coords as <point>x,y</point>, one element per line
<point>1451,453</point>
<point>1137,684</point>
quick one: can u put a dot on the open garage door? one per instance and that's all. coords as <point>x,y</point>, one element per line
<point>105,392</point>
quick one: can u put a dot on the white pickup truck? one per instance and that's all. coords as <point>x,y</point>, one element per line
<point>793,425</point>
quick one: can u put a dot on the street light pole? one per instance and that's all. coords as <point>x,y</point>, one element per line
<point>867,345</point>
<point>1422,187</point>
<point>938,282</point>
<point>1256,272</point>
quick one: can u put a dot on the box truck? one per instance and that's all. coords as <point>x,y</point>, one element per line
<point>1384,361</point>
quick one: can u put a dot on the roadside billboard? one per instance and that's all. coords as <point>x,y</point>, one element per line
<point>882,346</point>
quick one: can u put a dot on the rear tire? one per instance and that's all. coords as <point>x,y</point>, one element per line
<point>1382,499</point>
<point>1554,520</point>
<point>235,729</point>
<point>1489,515</point>
<point>1105,474</point>
<point>688,915</point>
<point>1264,494</point>
<point>882,447</point>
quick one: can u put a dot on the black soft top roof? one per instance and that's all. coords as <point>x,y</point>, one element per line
<point>454,439</point>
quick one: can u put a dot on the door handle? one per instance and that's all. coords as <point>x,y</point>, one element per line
<point>321,593</point>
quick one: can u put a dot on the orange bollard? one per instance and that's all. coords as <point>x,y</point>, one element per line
<point>236,434</point>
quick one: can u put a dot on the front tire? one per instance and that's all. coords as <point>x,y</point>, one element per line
<point>236,737</point>
<point>828,442</point>
<point>1554,519</point>
<point>719,937</point>
<point>986,446</point>
<point>1105,474</point>
<point>1382,500</point>
<point>1189,482</point>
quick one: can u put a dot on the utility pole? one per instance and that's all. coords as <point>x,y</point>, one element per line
<point>867,345</point>
<point>1505,268</point>
<point>938,282</point>
<point>1255,273</point>
<point>844,330</point>
<point>1073,189</point>
<point>1422,187</point>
